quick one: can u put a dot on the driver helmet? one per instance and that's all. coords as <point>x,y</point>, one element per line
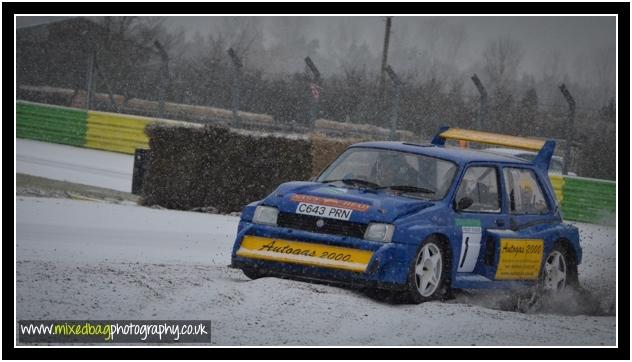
<point>388,168</point>
<point>526,190</point>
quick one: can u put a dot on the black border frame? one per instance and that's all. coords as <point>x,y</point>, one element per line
<point>623,11</point>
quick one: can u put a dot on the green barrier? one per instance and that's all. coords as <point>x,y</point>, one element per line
<point>589,200</point>
<point>51,124</point>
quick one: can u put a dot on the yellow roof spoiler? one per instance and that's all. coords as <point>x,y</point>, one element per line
<point>446,133</point>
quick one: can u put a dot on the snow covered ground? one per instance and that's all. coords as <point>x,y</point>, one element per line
<point>92,260</point>
<point>75,164</point>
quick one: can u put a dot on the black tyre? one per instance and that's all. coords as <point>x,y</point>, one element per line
<point>381,295</point>
<point>429,276</point>
<point>253,273</point>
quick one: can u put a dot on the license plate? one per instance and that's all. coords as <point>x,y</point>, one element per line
<point>323,211</point>
<point>295,252</point>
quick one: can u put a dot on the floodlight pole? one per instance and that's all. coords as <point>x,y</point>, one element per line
<point>315,87</point>
<point>482,111</point>
<point>570,124</point>
<point>164,73</point>
<point>107,84</point>
<point>387,35</point>
<point>90,80</point>
<point>237,65</point>
<point>396,98</point>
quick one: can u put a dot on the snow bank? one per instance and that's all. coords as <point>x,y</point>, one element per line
<point>75,164</point>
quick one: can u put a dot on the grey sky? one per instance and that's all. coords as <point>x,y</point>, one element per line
<point>572,37</point>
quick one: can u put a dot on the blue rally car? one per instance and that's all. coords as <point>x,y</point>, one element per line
<point>418,219</point>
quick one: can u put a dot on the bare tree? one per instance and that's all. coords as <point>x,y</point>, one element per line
<point>596,70</point>
<point>243,34</point>
<point>502,57</point>
<point>127,55</point>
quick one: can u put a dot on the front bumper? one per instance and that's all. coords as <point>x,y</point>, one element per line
<point>387,268</point>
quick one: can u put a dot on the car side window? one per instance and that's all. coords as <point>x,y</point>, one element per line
<point>556,166</point>
<point>523,192</point>
<point>480,183</point>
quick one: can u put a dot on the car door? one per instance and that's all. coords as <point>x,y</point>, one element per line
<point>480,184</point>
<point>516,251</point>
<point>527,202</point>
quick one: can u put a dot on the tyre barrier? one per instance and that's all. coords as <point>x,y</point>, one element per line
<point>76,127</point>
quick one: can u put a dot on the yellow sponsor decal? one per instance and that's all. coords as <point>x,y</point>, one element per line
<point>295,252</point>
<point>520,259</point>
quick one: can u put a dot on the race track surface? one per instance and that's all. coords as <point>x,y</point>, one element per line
<point>94,260</point>
<point>75,164</point>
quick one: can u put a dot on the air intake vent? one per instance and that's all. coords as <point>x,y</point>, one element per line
<point>330,226</point>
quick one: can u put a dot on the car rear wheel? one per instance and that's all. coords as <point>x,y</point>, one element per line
<point>429,276</point>
<point>559,271</point>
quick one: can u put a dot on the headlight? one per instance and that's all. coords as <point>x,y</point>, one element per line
<point>265,215</point>
<point>379,232</point>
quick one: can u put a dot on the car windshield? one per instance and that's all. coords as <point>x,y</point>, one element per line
<point>404,173</point>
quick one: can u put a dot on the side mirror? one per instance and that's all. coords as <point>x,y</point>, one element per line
<point>464,203</point>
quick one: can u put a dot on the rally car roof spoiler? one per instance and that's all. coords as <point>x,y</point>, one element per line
<point>544,148</point>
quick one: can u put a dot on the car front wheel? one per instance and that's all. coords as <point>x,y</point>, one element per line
<point>253,273</point>
<point>429,277</point>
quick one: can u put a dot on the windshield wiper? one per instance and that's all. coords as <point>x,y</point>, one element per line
<point>355,181</point>
<point>407,188</point>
